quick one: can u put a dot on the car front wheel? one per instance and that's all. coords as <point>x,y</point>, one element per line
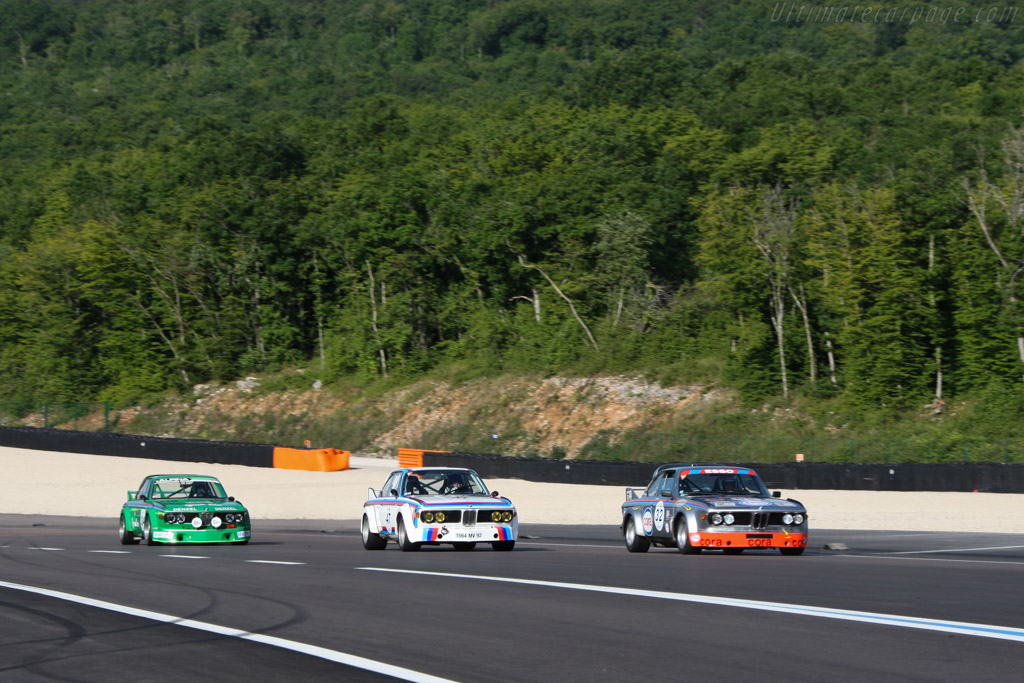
<point>635,543</point>
<point>147,531</point>
<point>127,537</point>
<point>791,551</point>
<point>371,541</point>
<point>403,539</point>
<point>503,545</point>
<point>683,539</point>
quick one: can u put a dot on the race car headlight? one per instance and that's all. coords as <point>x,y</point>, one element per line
<point>439,517</point>
<point>506,516</point>
<point>216,522</point>
<point>496,516</point>
<point>798,519</point>
<point>427,517</point>
<point>172,518</point>
<point>716,518</point>
<point>787,518</point>
<point>729,519</point>
<point>197,522</point>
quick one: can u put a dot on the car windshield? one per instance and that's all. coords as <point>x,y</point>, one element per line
<point>444,482</point>
<point>186,488</point>
<point>721,481</point>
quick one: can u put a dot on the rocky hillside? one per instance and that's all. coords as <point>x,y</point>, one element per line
<point>509,415</point>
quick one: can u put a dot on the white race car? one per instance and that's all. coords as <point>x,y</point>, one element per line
<point>435,505</point>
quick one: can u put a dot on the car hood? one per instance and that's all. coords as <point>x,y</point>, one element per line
<point>751,502</point>
<point>461,501</point>
<point>204,506</point>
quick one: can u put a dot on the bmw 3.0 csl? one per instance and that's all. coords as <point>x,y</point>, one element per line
<point>434,505</point>
<point>182,508</point>
<point>716,507</point>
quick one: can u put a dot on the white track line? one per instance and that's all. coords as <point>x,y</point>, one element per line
<point>112,552</point>
<point>272,562</point>
<point>312,650</point>
<point>958,627</point>
<point>954,550</point>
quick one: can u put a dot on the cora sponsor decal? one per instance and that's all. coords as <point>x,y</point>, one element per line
<point>648,520</point>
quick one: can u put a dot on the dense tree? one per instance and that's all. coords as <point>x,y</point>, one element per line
<point>195,190</point>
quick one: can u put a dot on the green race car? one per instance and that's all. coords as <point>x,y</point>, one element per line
<point>183,508</point>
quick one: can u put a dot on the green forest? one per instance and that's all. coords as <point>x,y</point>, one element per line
<point>800,202</point>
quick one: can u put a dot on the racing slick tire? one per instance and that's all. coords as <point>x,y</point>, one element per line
<point>463,546</point>
<point>127,537</point>
<point>147,531</point>
<point>791,551</point>
<point>403,539</point>
<point>635,543</point>
<point>503,545</point>
<point>371,541</point>
<point>683,538</point>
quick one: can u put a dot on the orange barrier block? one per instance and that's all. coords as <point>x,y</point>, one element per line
<point>410,457</point>
<point>311,459</point>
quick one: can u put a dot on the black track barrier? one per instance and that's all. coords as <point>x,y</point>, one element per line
<point>136,446</point>
<point>984,477</point>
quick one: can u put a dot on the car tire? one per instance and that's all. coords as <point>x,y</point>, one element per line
<point>503,545</point>
<point>403,539</point>
<point>147,531</point>
<point>733,551</point>
<point>127,537</point>
<point>635,543</point>
<point>371,541</point>
<point>791,551</point>
<point>683,538</point>
<point>463,546</point>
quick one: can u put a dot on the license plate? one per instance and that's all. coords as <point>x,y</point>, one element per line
<point>466,535</point>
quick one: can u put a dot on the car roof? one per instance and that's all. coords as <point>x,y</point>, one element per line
<point>435,469</point>
<point>202,477</point>
<point>673,465</point>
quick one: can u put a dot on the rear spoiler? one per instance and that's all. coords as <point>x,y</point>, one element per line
<point>633,494</point>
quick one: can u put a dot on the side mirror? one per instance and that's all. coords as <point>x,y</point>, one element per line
<point>776,494</point>
<point>394,493</point>
<point>494,494</point>
<point>666,493</point>
<point>231,498</point>
<point>143,497</point>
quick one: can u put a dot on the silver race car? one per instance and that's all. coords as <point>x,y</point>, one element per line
<point>718,507</point>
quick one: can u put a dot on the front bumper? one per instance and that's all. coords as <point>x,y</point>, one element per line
<point>201,535</point>
<point>481,533</point>
<point>748,539</point>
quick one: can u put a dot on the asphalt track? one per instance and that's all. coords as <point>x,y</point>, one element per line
<point>304,601</point>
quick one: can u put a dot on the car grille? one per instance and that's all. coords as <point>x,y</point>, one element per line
<point>758,520</point>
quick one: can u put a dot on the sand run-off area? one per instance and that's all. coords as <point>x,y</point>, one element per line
<point>46,483</point>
